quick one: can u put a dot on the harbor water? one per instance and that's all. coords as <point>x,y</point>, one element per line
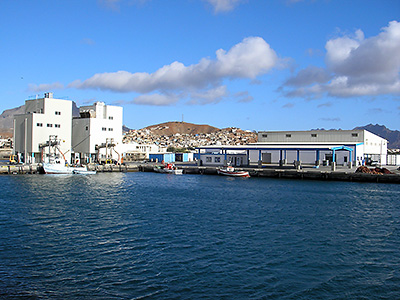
<point>159,236</point>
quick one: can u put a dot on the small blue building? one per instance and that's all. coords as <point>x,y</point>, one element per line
<point>159,157</point>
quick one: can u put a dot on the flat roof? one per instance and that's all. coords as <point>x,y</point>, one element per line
<point>279,147</point>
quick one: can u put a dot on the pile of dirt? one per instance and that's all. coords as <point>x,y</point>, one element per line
<point>376,170</point>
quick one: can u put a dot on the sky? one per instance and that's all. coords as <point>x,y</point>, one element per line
<point>252,64</point>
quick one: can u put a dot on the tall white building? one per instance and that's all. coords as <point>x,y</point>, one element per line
<point>97,132</point>
<point>43,117</point>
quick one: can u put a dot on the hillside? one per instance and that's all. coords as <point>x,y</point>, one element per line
<point>393,136</point>
<point>6,120</point>
<point>171,128</point>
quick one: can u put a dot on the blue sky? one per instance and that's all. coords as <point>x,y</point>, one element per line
<point>252,64</point>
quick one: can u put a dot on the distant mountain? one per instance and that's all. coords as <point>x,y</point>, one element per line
<point>393,136</point>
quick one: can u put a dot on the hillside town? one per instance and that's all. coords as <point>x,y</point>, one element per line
<point>226,136</point>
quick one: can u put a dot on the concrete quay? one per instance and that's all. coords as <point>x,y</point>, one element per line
<point>288,172</point>
<point>35,168</point>
<point>271,171</point>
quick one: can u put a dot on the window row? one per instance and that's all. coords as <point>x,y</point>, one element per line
<point>105,129</point>
<point>216,159</point>
<point>48,125</point>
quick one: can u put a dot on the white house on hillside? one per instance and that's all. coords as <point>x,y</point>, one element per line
<point>43,117</point>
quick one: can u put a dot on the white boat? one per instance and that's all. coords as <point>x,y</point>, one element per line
<point>57,167</point>
<point>169,169</point>
<point>230,171</point>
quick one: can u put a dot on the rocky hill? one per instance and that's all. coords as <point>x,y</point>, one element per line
<point>171,128</point>
<point>6,120</point>
<point>393,136</point>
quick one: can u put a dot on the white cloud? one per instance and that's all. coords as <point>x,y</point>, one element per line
<point>210,96</point>
<point>45,87</point>
<point>224,5</point>
<point>112,4</point>
<point>156,99</point>
<point>359,67</point>
<point>246,60</point>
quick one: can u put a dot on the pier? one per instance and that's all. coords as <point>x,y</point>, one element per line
<point>325,174</point>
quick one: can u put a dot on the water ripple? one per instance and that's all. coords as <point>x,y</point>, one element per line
<point>150,236</point>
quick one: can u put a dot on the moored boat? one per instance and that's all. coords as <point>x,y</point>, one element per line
<point>169,169</point>
<point>57,167</point>
<point>230,171</point>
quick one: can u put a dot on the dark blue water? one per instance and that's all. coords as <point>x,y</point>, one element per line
<point>158,236</point>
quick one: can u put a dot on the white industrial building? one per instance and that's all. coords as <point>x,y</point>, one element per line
<point>329,147</point>
<point>134,152</point>
<point>43,117</point>
<point>97,133</point>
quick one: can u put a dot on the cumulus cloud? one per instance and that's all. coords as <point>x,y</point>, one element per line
<point>288,105</point>
<point>355,66</point>
<point>45,87</point>
<point>244,97</point>
<point>327,104</point>
<point>210,96</point>
<point>224,5</point>
<point>309,76</point>
<point>155,99</point>
<point>246,60</point>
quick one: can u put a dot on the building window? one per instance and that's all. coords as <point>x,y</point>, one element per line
<point>208,159</point>
<point>288,135</point>
<point>104,129</point>
<point>49,125</point>
<point>87,127</point>
<point>57,125</point>
<point>39,124</point>
<point>217,159</point>
<point>265,135</point>
<point>58,113</point>
<point>354,134</point>
<point>313,135</point>
<point>111,118</point>
<point>110,129</point>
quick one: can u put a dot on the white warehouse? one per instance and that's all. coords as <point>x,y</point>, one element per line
<point>338,147</point>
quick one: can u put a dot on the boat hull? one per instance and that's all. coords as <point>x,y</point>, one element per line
<point>61,169</point>
<point>168,171</point>
<point>233,173</point>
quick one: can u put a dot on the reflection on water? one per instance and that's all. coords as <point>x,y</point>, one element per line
<point>138,235</point>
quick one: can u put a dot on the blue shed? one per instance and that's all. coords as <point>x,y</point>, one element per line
<point>166,157</point>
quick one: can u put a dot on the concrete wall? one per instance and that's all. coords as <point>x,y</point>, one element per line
<point>312,136</point>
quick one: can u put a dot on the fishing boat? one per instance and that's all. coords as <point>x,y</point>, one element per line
<point>169,169</point>
<point>57,167</point>
<point>230,171</point>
